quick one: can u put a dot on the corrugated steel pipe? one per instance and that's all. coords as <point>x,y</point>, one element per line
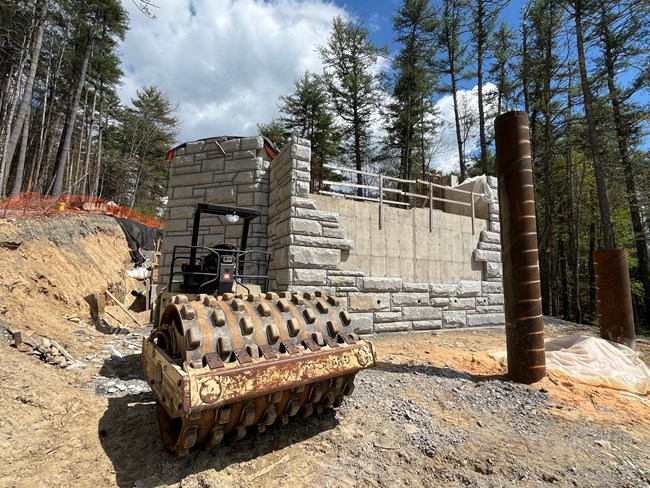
<point>521,279</point>
<point>614,297</point>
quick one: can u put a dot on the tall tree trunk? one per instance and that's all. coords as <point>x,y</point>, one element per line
<point>575,312</point>
<point>622,141</point>
<point>592,272</point>
<point>459,138</point>
<point>98,166</point>
<point>525,61</point>
<point>357,150</point>
<point>603,202</point>
<point>564,279</point>
<point>26,102</point>
<point>85,186</point>
<point>68,128</point>
<point>20,165</point>
<point>480,47</point>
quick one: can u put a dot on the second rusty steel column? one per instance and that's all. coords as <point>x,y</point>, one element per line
<point>614,297</point>
<point>521,278</point>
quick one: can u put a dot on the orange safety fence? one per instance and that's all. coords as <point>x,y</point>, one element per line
<point>36,205</point>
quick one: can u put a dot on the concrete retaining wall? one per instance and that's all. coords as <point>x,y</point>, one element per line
<point>405,247</point>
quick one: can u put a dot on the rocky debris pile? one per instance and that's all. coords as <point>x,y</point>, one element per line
<point>121,373</point>
<point>469,426</point>
<point>48,351</point>
<point>116,387</point>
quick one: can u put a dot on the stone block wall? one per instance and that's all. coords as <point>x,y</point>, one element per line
<point>221,170</point>
<point>309,245</point>
<point>305,242</point>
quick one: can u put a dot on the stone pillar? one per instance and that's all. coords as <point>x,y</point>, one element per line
<point>304,242</point>
<point>218,170</point>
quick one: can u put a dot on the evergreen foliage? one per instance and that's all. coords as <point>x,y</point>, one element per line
<point>349,61</point>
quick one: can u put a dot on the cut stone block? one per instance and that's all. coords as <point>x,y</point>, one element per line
<point>468,288</point>
<point>421,313</point>
<point>381,284</point>
<point>454,318</point>
<point>486,319</point>
<point>362,323</point>
<point>444,290</point>
<point>410,299</point>
<point>427,324</point>
<point>393,326</point>
<point>365,302</point>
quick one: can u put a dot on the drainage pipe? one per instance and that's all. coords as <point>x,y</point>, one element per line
<point>519,251</point>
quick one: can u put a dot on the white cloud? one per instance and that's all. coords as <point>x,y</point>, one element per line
<point>445,156</point>
<point>224,62</point>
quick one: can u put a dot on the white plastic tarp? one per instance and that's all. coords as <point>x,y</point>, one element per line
<point>480,186</point>
<point>599,362</point>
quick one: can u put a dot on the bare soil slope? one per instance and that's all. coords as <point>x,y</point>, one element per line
<point>436,411</point>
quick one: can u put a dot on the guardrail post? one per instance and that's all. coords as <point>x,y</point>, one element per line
<point>430,207</point>
<point>381,201</point>
<point>473,212</point>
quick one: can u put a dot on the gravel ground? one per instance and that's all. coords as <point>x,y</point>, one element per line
<point>412,423</point>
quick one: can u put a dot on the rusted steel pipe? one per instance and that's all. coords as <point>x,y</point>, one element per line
<point>521,279</point>
<point>614,297</point>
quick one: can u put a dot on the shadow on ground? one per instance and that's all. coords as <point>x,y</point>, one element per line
<point>129,435</point>
<point>444,372</point>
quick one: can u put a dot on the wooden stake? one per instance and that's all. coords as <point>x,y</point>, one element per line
<point>123,308</point>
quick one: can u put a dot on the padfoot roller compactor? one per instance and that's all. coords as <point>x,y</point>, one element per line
<point>226,357</point>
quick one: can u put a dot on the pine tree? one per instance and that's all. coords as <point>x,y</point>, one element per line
<point>307,114</point>
<point>622,36</point>
<point>410,122</point>
<point>547,100</point>
<point>579,13</point>
<point>92,18</point>
<point>21,123</point>
<point>454,62</point>
<point>349,60</point>
<point>148,130</point>
<point>484,16</point>
<point>504,49</point>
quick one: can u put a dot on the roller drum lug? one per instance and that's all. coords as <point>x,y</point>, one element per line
<point>240,433</point>
<point>307,410</point>
<point>215,437</point>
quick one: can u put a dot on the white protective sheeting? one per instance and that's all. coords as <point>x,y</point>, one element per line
<point>140,273</point>
<point>480,186</point>
<point>598,362</point>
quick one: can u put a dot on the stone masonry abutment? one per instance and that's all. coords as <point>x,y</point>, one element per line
<point>402,277</point>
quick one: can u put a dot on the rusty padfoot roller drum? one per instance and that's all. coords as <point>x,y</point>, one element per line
<point>224,366</point>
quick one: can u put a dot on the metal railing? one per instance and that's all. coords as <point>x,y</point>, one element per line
<point>382,189</point>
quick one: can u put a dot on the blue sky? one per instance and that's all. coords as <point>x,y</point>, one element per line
<point>225,63</point>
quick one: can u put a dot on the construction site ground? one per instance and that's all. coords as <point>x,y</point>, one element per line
<point>437,411</point>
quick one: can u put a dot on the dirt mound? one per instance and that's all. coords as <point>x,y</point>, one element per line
<point>55,272</point>
<point>436,411</point>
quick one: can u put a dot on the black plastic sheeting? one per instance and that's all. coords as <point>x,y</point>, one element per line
<point>139,236</point>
